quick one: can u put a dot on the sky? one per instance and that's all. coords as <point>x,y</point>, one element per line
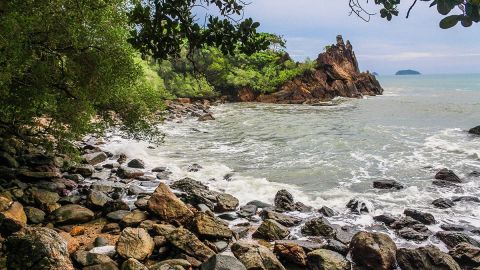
<point>381,46</point>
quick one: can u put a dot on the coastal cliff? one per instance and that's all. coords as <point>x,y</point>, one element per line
<point>336,75</point>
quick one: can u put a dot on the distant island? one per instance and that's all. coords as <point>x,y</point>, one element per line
<point>407,72</point>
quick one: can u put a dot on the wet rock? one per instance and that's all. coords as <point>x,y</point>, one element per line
<point>387,219</point>
<point>167,206</point>
<point>466,255</point>
<point>194,168</point>
<point>451,239</point>
<point>12,216</point>
<point>97,199</point>
<point>85,170</point>
<point>135,190</point>
<point>247,211</point>
<point>344,234</point>
<point>423,217</point>
<point>72,199</point>
<point>196,192</point>
<point>136,163</point>
<point>373,250</point>
<point>188,243</point>
<point>133,219</point>
<point>444,184</point>
<point>474,174</point>
<point>225,203</point>
<point>210,227</point>
<point>228,216</point>
<point>260,204</point>
<point>411,234</point>
<point>254,256</point>
<point>100,242</point>
<point>71,214</point>
<point>452,227</point>
<point>34,215</point>
<point>271,230</point>
<point>466,199</point>
<point>283,219</point>
<point>405,222</point>
<point>115,205</point>
<point>132,264</point>
<point>284,201</point>
<point>95,158</point>
<point>336,246</point>
<point>128,173</point>
<point>206,117</point>
<point>387,184</point>
<point>318,227</point>
<point>290,252</point>
<point>425,258</point>
<point>358,206</point>
<point>135,243</point>
<point>222,262</point>
<point>475,130</point>
<point>326,211</point>
<point>447,175</point>
<point>37,248</point>
<point>443,203</point>
<point>323,259</point>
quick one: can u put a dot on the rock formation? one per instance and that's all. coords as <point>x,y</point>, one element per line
<point>336,75</point>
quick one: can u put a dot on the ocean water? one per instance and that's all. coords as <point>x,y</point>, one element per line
<point>329,155</point>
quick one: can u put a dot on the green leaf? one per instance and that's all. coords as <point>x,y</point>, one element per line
<point>450,21</point>
<point>445,6</point>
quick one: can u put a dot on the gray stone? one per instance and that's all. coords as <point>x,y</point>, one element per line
<point>222,262</point>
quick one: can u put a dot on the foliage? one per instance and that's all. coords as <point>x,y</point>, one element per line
<point>469,10</point>
<point>163,27</point>
<point>63,63</point>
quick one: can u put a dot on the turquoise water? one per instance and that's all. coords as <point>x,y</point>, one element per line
<point>328,155</point>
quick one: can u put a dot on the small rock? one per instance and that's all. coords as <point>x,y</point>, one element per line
<point>129,173</point>
<point>167,206</point>
<point>387,184</point>
<point>222,262</point>
<point>318,227</point>
<point>12,216</point>
<point>283,219</point>
<point>358,206</point>
<point>188,243</point>
<point>194,168</point>
<point>100,242</point>
<point>387,219</point>
<point>466,255</point>
<point>254,256</point>
<point>271,230</point>
<point>447,175</point>
<point>373,250</point>
<point>323,259</point>
<point>71,214</point>
<point>326,211</point>
<point>134,218</point>
<point>411,234</point>
<point>259,204</point>
<point>475,130</point>
<point>225,203</point>
<point>210,227</point>
<point>85,170</point>
<point>425,218</point>
<point>291,252</point>
<point>135,243</point>
<point>97,199</point>
<point>284,201</point>
<point>136,163</point>
<point>247,211</point>
<point>466,199</point>
<point>132,264</point>
<point>34,215</point>
<point>443,203</point>
<point>451,239</point>
<point>95,158</point>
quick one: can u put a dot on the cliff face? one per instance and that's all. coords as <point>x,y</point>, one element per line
<point>337,74</point>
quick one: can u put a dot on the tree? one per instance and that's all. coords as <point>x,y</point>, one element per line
<point>469,10</point>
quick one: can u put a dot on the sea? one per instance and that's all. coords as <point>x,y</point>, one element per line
<point>328,155</point>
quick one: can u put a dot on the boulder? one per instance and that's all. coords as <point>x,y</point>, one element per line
<point>452,239</point>
<point>425,258</point>
<point>189,244</point>
<point>12,216</point>
<point>283,219</point>
<point>226,202</point>
<point>466,255</point>
<point>97,199</point>
<point>443,203</point>
<point>291,252</point>
<point>37,248</point>
<point>475,130</point>
<point>210,227</point>
<point>71,214</point>
<point>129,173</point>
<point>318,227</point>
<point>387,184</point>
<point>284,201</point>
<point>359,206</point>
<point>167,206</point>
<point>34,215</point>
<point>425,218</point>
<point>323,259</point>
<point>95,158</point>
<point>271,230</point>
<point>247,211</point>
<point>132,264</point>
<point>326,211</point>
<point>448,175</point>
<point>222,262</point>
<point>135,243</point>
<point>85,170</point>
<point>387,219</point>
<point>136,163</point>
<point>255,257</point>
<point>375,251</point>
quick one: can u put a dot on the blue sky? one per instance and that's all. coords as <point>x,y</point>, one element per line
<point>381,46</point>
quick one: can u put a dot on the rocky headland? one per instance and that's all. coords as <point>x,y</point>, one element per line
<point>336,75</point>
<point>60,214</point>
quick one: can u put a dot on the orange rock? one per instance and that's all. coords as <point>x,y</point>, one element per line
<point>77,230</point>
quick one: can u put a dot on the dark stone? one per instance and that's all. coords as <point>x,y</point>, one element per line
<point>466,199</point>
<point>467,256</point>
<point>284,201</point>
<point>326,211</point>
<point>387,184</point>
<point>451,239</point>
<point>448,175</point>
<point>222,262</point>
<point>136,163</point>
<point>425,218</point>
<point>373,250</point>
<point>444,184</point>
<point>271,230</point>
<point>387,219</point>
<point>247,211</point>
<point>194,168</point>
<point>443,203</point>
<point>475,130</point>
<point>425,258</point>
<point>358,206</point>
<point>259,204</point>
<point>283,219</point>
<point>318,227</point>
<point>452,227</point>
<point>411,234</point>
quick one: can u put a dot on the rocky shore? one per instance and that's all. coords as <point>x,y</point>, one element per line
<point>60,214</point>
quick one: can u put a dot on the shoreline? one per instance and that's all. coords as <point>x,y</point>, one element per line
<point>200,205</point>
